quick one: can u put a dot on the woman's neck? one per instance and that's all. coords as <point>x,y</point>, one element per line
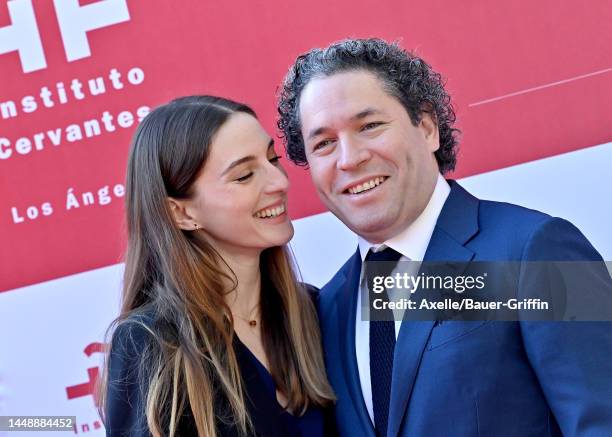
<point>244,299</point>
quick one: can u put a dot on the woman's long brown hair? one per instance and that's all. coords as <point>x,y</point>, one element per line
<point>182,282</point>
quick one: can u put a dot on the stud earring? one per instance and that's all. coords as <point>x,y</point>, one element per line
<point>196,226</point>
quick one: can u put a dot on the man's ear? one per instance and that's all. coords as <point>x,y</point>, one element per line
<point>430,131</point>
<point>179,212</point>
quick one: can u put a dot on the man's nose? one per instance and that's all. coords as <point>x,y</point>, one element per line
<point>352,154</point>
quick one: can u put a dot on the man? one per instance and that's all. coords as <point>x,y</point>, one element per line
<point>375,127</point>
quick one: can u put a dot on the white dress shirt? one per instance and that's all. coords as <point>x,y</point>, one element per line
<point>411,243</point>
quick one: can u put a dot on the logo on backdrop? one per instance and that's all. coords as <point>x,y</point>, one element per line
<point>86,113</point>
<point>87,388</point>
<point>74,21</point>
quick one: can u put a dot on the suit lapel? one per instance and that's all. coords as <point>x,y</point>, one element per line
<point>347,309</point>
<point>457,223</point>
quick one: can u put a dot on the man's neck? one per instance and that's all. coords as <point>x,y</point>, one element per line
<point>412,241</point>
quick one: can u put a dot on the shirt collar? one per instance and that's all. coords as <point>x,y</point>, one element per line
<point>412,242</point>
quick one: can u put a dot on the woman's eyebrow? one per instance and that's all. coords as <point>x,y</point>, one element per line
<point>245,159</point>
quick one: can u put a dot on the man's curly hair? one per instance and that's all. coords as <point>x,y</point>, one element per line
<point>404,75</point>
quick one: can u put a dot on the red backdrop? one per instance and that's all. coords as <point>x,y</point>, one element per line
<point>556,57</point>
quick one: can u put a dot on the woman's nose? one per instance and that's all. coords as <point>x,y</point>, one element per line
<point>277,180</point>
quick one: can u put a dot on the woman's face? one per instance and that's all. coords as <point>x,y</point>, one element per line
<point>240,195</point>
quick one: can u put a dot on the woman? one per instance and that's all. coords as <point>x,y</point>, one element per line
<point>215,336</point>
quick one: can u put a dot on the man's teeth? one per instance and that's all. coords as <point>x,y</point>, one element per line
<point>366,186</point>
<point>270,212</point>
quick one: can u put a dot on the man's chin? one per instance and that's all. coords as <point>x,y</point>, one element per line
<point>371,229</point>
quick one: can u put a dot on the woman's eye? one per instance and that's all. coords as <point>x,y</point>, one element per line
<point>274,160</point>
<point>245,177</point>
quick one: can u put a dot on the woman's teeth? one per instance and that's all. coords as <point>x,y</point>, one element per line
<point>366,186</point>
<point>270,212</point>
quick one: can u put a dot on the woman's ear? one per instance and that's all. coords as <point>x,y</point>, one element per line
<point>179,212</point>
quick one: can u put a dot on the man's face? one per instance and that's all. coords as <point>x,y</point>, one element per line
<point>371,166</point>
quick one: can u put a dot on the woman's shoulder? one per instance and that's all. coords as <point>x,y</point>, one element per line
<point>133,332</point>
<point>135,323</point>
<point>312,291</point>
<point>127,375</point>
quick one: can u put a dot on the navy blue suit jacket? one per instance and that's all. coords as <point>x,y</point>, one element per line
<point>472,378</point>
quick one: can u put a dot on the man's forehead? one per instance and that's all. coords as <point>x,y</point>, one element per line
<point>345,85</point>
<point>347,93</point>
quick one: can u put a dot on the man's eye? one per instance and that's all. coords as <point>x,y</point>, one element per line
<point>245,177</point>
<point>322,144</point>
<point>371,125</point>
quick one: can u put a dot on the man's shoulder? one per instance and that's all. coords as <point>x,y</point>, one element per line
<point>509,231</point>
<point>509,214</point>
<point>465,215</point>
<point>330,290</point>
<point>535,233</point>
<point>520,220</point>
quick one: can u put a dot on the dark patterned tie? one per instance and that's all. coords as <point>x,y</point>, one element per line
<point>382,343</point>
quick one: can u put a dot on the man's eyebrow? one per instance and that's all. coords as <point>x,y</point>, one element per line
<point>360,115</point>
<point>245,159</point>
<point>365,113</point>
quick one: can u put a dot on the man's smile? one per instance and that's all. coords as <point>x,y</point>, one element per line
<point>365,185</point>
